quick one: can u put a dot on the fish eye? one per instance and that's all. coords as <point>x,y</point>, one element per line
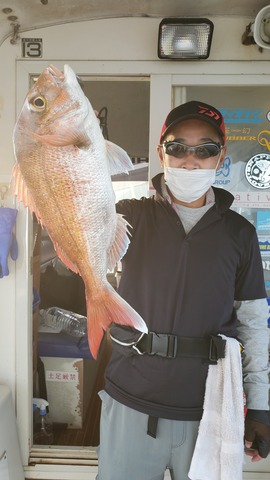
<point>38,103</point>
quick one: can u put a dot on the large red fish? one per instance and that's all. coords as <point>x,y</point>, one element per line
<point>63,174</point>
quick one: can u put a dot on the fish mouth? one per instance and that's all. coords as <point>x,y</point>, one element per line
<point>67,77</point>
<point>52,70</point>
<point>55,75</point>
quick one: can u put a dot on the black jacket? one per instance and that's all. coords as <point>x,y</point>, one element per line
<point>185,285</point>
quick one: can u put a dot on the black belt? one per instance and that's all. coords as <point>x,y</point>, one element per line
<point>171,346</point>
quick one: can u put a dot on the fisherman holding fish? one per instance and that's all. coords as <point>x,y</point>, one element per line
<point>191,295</point>
<point>193,272</point>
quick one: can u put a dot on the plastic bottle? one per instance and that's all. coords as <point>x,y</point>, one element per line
<point>68,322</point>
<point>43,429</point>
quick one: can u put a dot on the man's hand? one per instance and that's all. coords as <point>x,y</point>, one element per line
<point>257,434</point>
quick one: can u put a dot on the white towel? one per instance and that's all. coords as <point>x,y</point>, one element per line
<point>219,450</point>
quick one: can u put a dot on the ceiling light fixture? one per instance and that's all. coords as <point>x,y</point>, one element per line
<point>185,38</point>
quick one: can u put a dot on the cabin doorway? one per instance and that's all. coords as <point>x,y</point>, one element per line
<point>64,372</point>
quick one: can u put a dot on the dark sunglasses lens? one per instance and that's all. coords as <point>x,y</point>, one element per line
<point>175,149</point>
<point>179,150</point>
<point>206,151</point>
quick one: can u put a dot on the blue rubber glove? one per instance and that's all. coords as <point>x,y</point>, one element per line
<point>8,242</point>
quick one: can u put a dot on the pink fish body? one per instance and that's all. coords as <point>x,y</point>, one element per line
<point>63,174</point>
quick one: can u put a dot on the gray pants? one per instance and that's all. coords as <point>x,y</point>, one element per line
<point>126,452</point>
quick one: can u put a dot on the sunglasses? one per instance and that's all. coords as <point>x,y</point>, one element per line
<point>180,150</point>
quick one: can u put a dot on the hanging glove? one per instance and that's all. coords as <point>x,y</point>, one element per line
<point>257,434</point>
<point>8,242</point>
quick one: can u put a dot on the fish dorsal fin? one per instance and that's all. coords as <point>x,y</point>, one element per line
<point>118,159</point>
<point>121,242</point>
<point>22,192</point>
<point>64,137</point>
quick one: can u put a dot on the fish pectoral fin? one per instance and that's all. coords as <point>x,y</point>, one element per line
<point>21,191</point>
<point>121,242</point>
<point>64,137</point>
<point>118,159</point>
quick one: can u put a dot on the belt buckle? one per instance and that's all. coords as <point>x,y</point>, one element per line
<point>164,345</point>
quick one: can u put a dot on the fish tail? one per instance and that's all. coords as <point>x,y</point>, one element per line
<point>107,308</point>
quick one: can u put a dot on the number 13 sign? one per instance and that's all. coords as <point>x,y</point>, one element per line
<point>32,47</point>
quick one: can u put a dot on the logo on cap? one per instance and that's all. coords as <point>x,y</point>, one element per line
<point>210,113</point>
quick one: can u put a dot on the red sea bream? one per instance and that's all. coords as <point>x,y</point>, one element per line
<point>63,174</point>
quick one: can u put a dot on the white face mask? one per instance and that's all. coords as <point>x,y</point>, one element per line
<point>189,185</point>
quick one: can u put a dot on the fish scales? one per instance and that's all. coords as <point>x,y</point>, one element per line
<point>63,173</point>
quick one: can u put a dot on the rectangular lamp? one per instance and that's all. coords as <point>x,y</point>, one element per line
<point>185,38</point>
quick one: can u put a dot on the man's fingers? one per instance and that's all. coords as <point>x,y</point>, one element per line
<point>258,450</point>
<point>255,457</point>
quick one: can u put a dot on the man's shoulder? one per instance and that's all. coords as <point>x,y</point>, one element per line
<point>133,207</point>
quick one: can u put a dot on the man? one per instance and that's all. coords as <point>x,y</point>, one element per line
<point>192,271</point>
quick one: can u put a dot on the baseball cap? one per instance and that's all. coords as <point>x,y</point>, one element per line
<point>194,109</point>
